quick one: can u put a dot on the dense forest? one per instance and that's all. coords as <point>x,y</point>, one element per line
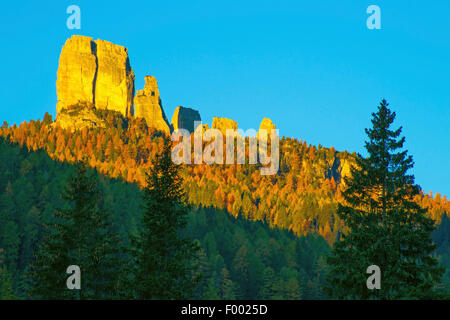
<point>238,259</point>
<point>261,236</point>
<point>302,197</point>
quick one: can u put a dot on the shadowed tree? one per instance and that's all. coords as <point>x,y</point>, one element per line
<point>165,260</point>
<point>80,234</point>
<point>6,289</point>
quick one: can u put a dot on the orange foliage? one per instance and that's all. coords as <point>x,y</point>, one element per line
<point>302,197</point>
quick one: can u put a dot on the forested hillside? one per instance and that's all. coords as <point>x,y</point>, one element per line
<point>302,197</point>
<point>262,236</point>
<point>239,258</point>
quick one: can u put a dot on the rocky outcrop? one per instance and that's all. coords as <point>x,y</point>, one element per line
<point>340,168</point>
<point>345,170</point>
<point>184,118</point>
<point>148,106</point>
<point>79,117</point>
<point>223,124</point>
<point>266,124</point>
<point>76,73</point>
<point>97,73</point>
<point>114,86</point>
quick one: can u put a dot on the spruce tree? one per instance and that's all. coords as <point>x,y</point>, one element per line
<point>386,227</point>
<point>165,260</point>
<point>81,234</point>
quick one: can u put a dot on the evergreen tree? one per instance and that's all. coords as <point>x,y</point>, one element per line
<point>81,234</point>
<point>227,287</point>
<point>6,288</point>
<point>10,239</point>
<point>267,291</point>
<point>210,290</point>
<point>292,290</point>
<point>165,259</point>
<point>203,272</point>
<point>385,226</point>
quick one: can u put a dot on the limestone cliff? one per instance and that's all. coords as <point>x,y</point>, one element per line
<point>97,73</point>
<point>114,86</point>
<point>184,118</point>
<point>148,106</point>
<point>76,73</point>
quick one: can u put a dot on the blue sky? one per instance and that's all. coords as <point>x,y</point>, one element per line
<point>313,67</point>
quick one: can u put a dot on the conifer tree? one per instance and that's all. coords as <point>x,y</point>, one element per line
<point>227,287</point>
<point>267,291</point>
<point>81,234</point>
<point>165,260</point>
<point>6,288</point>
<point>385,226</point>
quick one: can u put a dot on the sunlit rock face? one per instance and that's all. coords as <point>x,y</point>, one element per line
<point>95,76</point>
<point>266,124</point>
<point>76,73</point>
<point>78,118</point>
<point>185,118</point>
<point>114,85</point>
<point>148,106</point>
<point>96,73</point>
<point>223,124</point>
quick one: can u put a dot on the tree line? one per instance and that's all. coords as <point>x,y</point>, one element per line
<point>379,221</point>
<point>303,197</point>
<point>238,259</point>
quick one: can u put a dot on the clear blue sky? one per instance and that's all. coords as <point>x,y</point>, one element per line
<point>313,67</point>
